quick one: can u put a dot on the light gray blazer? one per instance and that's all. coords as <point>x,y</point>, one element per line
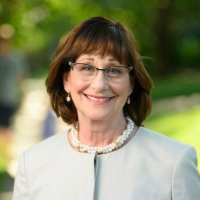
<point>150,167</point>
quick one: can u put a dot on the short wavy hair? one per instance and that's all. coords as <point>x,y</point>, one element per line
<point>105,37</point>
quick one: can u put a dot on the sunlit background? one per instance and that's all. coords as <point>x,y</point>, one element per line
<point>167,31</point>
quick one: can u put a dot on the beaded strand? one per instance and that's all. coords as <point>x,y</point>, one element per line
<point>99,150</point>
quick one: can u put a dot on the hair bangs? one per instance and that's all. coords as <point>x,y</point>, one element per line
<point>102,40</point>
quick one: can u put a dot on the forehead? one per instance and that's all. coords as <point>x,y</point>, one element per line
<point>96,57</point>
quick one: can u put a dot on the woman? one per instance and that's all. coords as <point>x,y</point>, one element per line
<point>98,84</point>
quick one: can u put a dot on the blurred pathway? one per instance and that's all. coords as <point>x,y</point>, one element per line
<point>29,122</point>
<point>28,126</point>
<point>178,103</point>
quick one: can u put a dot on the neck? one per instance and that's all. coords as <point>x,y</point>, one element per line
<point>101,133</point>
<point>105,149</point>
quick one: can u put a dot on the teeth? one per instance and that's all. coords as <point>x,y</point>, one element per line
<point>98,99</point>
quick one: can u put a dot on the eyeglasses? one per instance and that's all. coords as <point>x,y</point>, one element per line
<point>88,72</point>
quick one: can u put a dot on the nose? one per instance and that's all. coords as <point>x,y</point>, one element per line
<point>99,83</point>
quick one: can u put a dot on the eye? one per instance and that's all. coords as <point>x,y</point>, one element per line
<point>114,70</point>
<point>87,67</point>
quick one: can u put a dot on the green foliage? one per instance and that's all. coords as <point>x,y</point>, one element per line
<point>168,30</point>
<point>182,83</point>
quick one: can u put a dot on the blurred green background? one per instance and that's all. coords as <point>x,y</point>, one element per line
<point>167,31</point>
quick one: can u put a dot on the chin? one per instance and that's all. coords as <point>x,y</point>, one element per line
<point>103,116</point>
<point>98,116</point>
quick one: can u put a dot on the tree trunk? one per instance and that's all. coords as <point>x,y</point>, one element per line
<point>164,41</point>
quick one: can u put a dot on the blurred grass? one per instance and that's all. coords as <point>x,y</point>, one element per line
<point>3,163</point>
<point>183,126</point>
<point>183,83</point>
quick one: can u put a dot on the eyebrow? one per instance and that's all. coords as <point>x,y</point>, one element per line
<point>112,59</point>
<point>92,59</point>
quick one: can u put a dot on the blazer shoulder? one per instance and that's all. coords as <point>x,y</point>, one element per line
<point>160,143</point>
<point>48,146</point>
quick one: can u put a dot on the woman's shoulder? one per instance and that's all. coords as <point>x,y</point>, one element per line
<point>147,135</point>
<point>159,144</point>
<point>49,146</point>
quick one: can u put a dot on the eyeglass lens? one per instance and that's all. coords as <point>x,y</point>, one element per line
<point>89,72</point>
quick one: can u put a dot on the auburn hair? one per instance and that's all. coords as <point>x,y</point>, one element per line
<point>104,37</point>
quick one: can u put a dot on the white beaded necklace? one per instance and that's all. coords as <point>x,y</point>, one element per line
<point>99,150</point>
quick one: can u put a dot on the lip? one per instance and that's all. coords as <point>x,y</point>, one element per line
<point>98,100</point>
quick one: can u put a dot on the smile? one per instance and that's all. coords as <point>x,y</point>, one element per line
<point>98,99</point>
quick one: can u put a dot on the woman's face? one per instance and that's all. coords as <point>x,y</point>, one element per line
<point>97,99</point>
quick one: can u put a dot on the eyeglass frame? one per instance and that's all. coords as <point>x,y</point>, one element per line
<point>97,69</point>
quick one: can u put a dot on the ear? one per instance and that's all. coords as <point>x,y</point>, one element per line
<point>130,90</point>
<point>131,87</point>
<point>66,82</point>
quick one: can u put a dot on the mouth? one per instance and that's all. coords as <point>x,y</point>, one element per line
<point>101,99</point>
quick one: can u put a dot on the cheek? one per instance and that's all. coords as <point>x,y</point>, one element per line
<point>77,86</point>
<point>123,89</point>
